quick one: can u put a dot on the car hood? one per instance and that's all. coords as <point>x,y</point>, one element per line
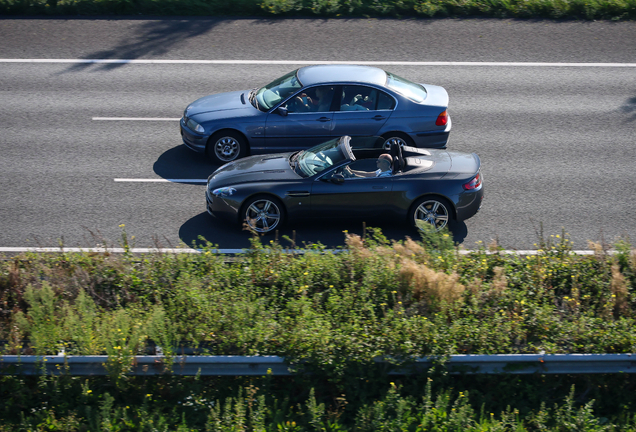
<point>220,102</point>
<point>254,168</point>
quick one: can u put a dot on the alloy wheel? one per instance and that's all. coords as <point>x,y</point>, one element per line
<point>227,148</point>
<point>396,139</point>
<point>432,212</point>
<point>263,215</point>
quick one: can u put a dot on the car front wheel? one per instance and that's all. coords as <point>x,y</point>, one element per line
<point>263,214</point>
<point>225,147</point>
<point>431,210</point>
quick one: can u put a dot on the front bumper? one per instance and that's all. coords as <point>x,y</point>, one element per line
<point>193,140</point>
<point>220,207</point>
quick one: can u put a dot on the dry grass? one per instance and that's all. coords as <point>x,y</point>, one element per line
<point>425,283</point>
<point>619,289</point>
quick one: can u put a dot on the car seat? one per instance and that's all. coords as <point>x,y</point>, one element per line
<point>398,160</point>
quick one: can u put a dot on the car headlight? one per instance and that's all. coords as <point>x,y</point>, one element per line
<point>223,192</point>
<point>195,126</point>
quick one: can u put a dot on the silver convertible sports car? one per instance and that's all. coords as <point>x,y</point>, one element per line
<point>348,177</point>
<point>313,104</point>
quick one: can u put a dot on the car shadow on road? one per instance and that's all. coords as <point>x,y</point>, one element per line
<point>181,163</point>
<point>630,108</point>
<point>330,233</point>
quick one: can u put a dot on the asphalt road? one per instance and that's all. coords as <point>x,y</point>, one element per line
<point>556,140</point>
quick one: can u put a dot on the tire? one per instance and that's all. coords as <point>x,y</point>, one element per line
<point>401,138</point>
<point>263,214</point>
<point>226,146</point>
<point>435,210</point>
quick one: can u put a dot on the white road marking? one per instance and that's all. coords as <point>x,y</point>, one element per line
<point>314,62</point>
<point>113,250</point>
<point>155,180</point>
<point>135,119</point>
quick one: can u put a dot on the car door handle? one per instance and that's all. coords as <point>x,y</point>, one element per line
<point>379,117</point>
<point>324,119</point>
<point>379,187</point>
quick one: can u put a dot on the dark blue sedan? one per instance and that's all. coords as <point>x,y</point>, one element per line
<point>313,104</point>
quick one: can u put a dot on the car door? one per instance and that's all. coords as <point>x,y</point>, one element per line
<point>359,197</point>
<point>362,111</point>
<point>302,121</point>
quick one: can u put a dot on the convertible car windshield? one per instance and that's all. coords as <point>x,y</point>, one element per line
<point>277,90</point>
<point>323,156</point>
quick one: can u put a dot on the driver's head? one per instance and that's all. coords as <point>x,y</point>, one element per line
<point>384,162</point>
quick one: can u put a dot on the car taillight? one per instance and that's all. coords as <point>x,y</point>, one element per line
<point>442,119</point>
<point>475,183</point>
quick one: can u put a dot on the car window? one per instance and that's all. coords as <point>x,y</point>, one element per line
<point>313,99</point>
<point>385,102</point>
<point>358,98</point>
<point>406,88</point>
<point>363,98</point>
<point>278,90</point>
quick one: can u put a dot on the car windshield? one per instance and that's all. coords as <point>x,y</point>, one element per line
<point>277,91</point>
<point>323,156</point>
<point>406,88</point>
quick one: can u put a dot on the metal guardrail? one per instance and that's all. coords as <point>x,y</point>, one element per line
<point>543,363</point>
<point>273,365</point>
<point>144,365</point>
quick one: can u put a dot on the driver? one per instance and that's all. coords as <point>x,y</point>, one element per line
<point>384,164</point>
<point>320,102</point>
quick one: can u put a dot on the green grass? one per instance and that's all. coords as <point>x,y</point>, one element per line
<point>264,404</point>
<point>550,9</point>
<point>402,299</point>
<point>334,313</point>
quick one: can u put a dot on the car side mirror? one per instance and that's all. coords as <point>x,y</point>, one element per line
<point>282,111</point>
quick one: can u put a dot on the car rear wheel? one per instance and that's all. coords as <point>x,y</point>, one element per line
<point>225,147</point>
<point>263,214</point>
<point>431,210</point>
<point>400,138</point>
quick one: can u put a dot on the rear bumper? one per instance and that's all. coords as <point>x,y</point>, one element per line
<point>434,139</point>
<point>469,204</point>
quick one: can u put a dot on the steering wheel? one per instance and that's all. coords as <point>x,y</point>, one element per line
<point>347,173</point>
<point>298,104</point>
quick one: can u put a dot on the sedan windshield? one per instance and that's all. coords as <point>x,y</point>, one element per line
<point>321,157</point>
<point>406,88</point>
<point>277,91</point>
